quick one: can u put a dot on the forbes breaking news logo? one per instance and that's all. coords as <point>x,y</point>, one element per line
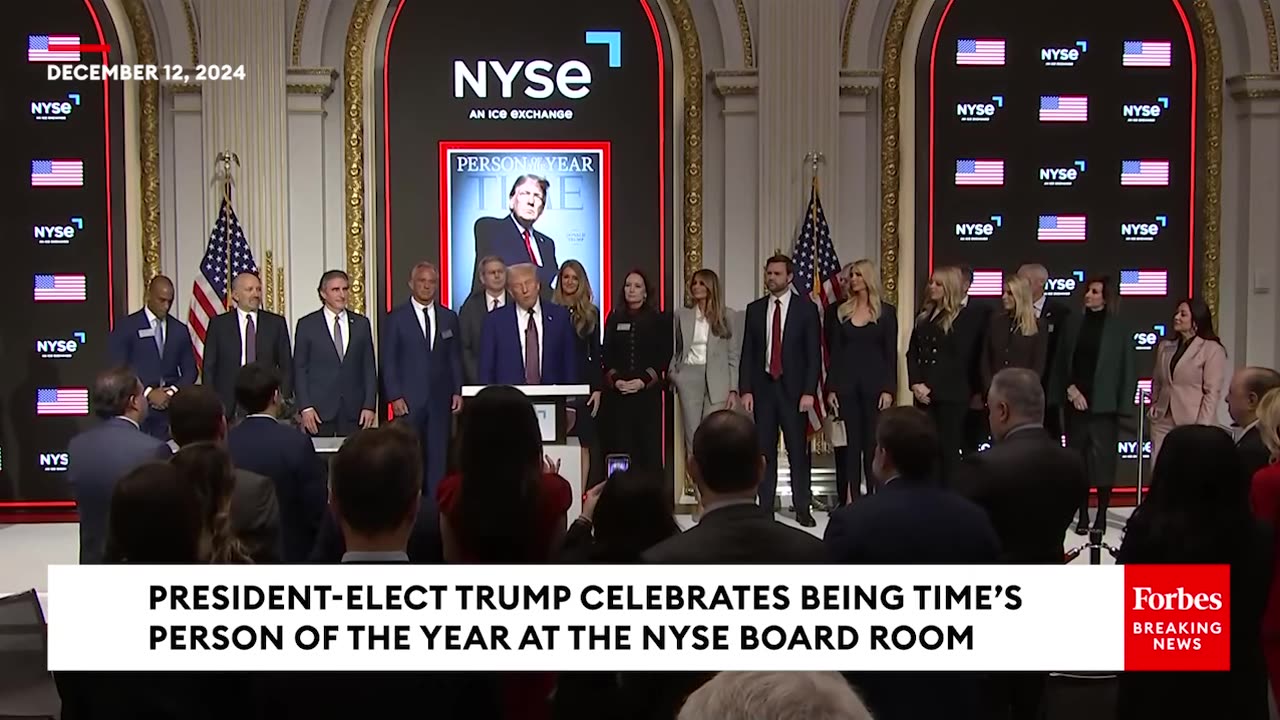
<point>1144,112</point>
<point>1143,231</point>
<point>978,231</point>
<point>54,462</point>
<point>1065,285</point>
<point>1146,341</point>
<point>60,348</point>
<point>57,234</point>
<point>536,79</point>
<point>1064,56</point>
<point>979,111</point>
<point>1064,176</point>
<point>46,110</point>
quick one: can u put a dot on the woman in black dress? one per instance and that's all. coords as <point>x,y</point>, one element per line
<point>637,347</point>
<point>573,292</point>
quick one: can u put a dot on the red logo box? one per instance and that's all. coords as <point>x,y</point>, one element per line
<point>1177,617</point>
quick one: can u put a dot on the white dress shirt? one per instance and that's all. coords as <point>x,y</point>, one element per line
<point>768,323</point>
<point>533,242</point>
<point>701,331</point>
<point>493,302</point>
<point>151,323</point>
<point>1039,306</point>
<point>343,322</point>
<point>243,317</point>
<point>422,325</point>
<point>522,326</point>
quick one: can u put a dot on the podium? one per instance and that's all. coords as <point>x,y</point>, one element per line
<point>549,404</point>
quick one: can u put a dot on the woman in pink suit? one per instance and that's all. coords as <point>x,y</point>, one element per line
<point>1264,498</point>
<point>1190,374</point>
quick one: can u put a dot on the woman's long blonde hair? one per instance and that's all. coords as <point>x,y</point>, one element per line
<point>1269,420</point>
<point>582,306</point>
<point>1024,310</point>
<point>871,279</point>
<point>714,312</point>
<point>949,306</point>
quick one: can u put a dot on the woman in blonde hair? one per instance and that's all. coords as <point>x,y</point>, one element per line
<point>940,360</point>
<point>573,292</point>
<point>1016,337</point>
<point>863,341</point>
<point>1264,498</point>
<point>207,466</point>
<point>704,366</point>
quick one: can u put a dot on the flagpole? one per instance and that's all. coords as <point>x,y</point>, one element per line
<point>226,157</point>
<point>814,157</point>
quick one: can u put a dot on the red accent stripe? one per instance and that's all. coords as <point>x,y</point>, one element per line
<point>99,48</point>
<point>106,125</point>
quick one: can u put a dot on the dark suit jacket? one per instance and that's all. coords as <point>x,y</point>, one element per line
<point>1115,381</point>
<point>801,348</point>
<point>98,458</point>
<point>425,378</point>
<point>857,364</point>
<point>734,534</point>
<point>1030,487</point>
<point>501,237</point>
<point>1003,348</point>
<point>951,377</point>
<point>1254,455</point>
<point>178,366</point>
<point>425,545</point>
<point>1054,314</point>
<point>222,353</point>
<point>255,516</point>
<point>336,388</point>
<point>502,360</point>
<point>471,317</point>
<point>283,453</point>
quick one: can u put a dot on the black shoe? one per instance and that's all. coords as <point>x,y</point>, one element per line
<point>1082,527</point>
<point>806,520</point>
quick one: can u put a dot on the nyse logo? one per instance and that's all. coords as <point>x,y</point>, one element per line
<point>1144,341</point>
<point>1063,286</point>
<point>54,462</point>
<point>54,110</point>
<point>978,231</point>
<point>1128,449</point>
<point>1064,56</point>
<point>1143,113</point>
<point>60,349</point>
<point>1062,176</point>
<point>57,234</point>
<point>1143,231</point>
<point>979,111</point>
<point>536,79</point>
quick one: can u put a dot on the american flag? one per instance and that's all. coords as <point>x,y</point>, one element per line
<point>980,52</point>
<point>987,283</point>
<point>1144,172</point>
<point>53,48</point>
<point>1061,108</point>
<point>1144,385</point>
<point>1144,283</point>
<point>209,292</point>
<point>979,172</point>
<point>1062,228</point>
<point>59,288</point>
<point>815,258</point>
<point>57,173</point>
<point>62,401</point>
<point>1139,53</point>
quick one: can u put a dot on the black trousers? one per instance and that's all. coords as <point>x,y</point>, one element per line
<point>774,410</point>
<point>949,418</point>
<point>1094,436</point>
<point>858,410</point>
<point>338,427</point>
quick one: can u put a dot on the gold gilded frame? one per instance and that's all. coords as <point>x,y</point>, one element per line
<point>144,40</point>
<point>353,133</point>
<point>892,136</point>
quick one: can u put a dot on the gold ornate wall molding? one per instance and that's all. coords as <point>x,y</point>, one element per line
<point>353,136</point>
<point>846,31</point>
<point>193,32</point>
<point>744,28</point>
<point>1212,237</point>
<point>1254,86</point>
<point>1269,23</point>
<point>299,24</point>
<point>144,41</point>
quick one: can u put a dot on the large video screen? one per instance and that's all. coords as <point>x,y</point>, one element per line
<point>64,237</point>
<point>576,93</point>
<point>1067,134</point>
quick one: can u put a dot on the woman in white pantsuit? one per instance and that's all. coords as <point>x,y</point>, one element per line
<point>704,367</point>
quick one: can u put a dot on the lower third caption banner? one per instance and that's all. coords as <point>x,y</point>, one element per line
<point>625,618</point>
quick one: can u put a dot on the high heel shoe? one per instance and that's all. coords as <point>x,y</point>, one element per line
<point>1082,527</point>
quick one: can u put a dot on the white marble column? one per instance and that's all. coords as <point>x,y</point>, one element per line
<point>307,257</point>
<point>736,254</point>
<point>857,212</point>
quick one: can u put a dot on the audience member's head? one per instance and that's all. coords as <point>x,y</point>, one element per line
<point>727,460</point>
<point>1248,386</point>
<point>906,445</point>
<point>195,415</point>
<point>207,467</point>
<point>118,393</point>
<point>258,389</point>
<point>1016,398</point>
<point>375,488</point>
<point>154,518</point>
<point>1269,422</point>
<point>633,513</point>
<point>500,461</point>
<point>775,695</point>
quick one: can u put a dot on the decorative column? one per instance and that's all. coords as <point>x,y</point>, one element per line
<point>307,257</point>
<point>857,211</point>
<point>740,270</point>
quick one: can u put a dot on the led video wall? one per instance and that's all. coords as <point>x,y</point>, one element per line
<point>64,237</point>
<point>1068,134</point>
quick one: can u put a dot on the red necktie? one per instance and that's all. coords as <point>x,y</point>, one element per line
<point>528,245</point>
<point>775,345</point>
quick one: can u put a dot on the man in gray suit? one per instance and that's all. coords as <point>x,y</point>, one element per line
<point>491,295</point>
<point>101,455</point>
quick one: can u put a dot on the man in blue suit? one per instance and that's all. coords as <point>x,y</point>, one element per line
<point>101,455</point>
<point>527,342</point>
<point>157,347</point>
<point>422,370</point>
<point>334,376</point>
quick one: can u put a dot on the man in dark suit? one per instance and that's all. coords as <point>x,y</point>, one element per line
<point>493,276</point>
<point>262,444</point>
<point>196,416</point>
<point>778,379</point>
<point>157,347</point>
<point>334,373</point>
<point>101,455</point>
<point>244,335</point>
<point>529,341</point>
<point>422,369</point>
<point>1055,315</point>
<point>513,239</point>
<point>912,520</point>
<point>1248,386</point>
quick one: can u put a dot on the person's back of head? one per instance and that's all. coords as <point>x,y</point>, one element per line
<point>207,467</point>
<point>500,464</point>
<point>196,415</point>
<point>633,513</point>
<point>775,695</point>
<point>906,444</point>
<point>257,388</point>
<point>155,517</point>
<point>1016,398</point>
<point>1248,386</point>
<point>727,459</point>
<point>117,392</point>
<point>375,486</point>
<point>1269,421</point>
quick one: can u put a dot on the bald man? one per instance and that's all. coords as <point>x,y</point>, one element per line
<point>246,334</point>
<point>157,348</point>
